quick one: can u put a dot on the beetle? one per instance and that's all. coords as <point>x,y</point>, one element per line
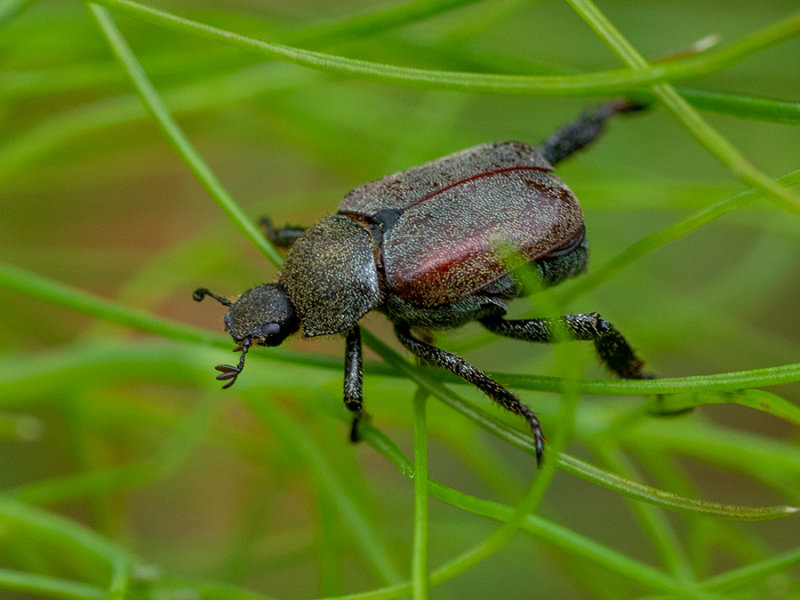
<point>426,248</point>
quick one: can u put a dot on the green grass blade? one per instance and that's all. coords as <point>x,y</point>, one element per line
<point>661,238</point>
<point>152,101</point>
<point>44,527</point>
<point>756,399</point>
<point>744,107</point>
<point>736,579</point>
<point>11,8</point>
<point>572,464</point>
<point>49,587</point>
<point>701,130</point>
<point>597,83</point>
<point>75,123</point>
<point>33,285</point>
<point>419,565</point>
<point>548,531</point>
<point>373,23</point>
<point>29,283</point>
<point>373,547</point>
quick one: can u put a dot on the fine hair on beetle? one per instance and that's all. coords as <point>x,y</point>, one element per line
<point>421,247</point>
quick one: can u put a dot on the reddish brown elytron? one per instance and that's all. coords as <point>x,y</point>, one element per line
<point>524,209</point>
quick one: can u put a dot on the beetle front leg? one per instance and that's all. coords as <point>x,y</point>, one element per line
<point>282,237</point>
<point>583,130</point>
<point>458,366</point>
<point>612,348</point>
<point>353,379</point>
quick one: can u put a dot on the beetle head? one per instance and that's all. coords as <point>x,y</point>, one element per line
<point>263,315</point>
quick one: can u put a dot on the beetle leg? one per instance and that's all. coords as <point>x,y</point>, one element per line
<point>583,130</point>
<point>283,237</point>
<point>457,365</point>
<point>612,348</point>
<point>353,379</point>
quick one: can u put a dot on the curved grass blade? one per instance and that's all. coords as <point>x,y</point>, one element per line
<point>760,400</point>
<point>607,82</point>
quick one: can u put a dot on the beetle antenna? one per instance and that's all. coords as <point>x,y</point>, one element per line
<point>201,293</point>
<point>231,372</point>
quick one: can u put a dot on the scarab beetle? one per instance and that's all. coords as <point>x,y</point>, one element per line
<point>426,247</point>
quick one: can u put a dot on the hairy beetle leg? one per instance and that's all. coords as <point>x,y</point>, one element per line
<point>353,379</point>
<point>583,130</point>
<point>469,373</point>
<point>282,237</point>
<point>614,351</point>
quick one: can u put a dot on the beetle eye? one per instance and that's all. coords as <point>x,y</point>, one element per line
<point>270,333</point>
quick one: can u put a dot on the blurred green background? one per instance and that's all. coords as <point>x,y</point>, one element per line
<point>256,487</point>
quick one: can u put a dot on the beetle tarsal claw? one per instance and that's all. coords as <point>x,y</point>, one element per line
<point>229,371</point>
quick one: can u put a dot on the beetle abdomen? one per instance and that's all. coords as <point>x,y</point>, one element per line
<point>453,243</point>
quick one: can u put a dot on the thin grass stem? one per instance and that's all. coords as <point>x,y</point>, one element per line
<point>419,566</point>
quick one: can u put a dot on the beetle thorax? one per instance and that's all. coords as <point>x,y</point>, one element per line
<point>330,276</point>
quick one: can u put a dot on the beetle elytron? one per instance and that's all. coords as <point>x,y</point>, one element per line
<point>424,247</point>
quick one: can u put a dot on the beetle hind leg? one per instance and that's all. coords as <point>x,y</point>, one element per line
<point>458,366</point>
<point>583,130</point>
<point>613,349</point>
